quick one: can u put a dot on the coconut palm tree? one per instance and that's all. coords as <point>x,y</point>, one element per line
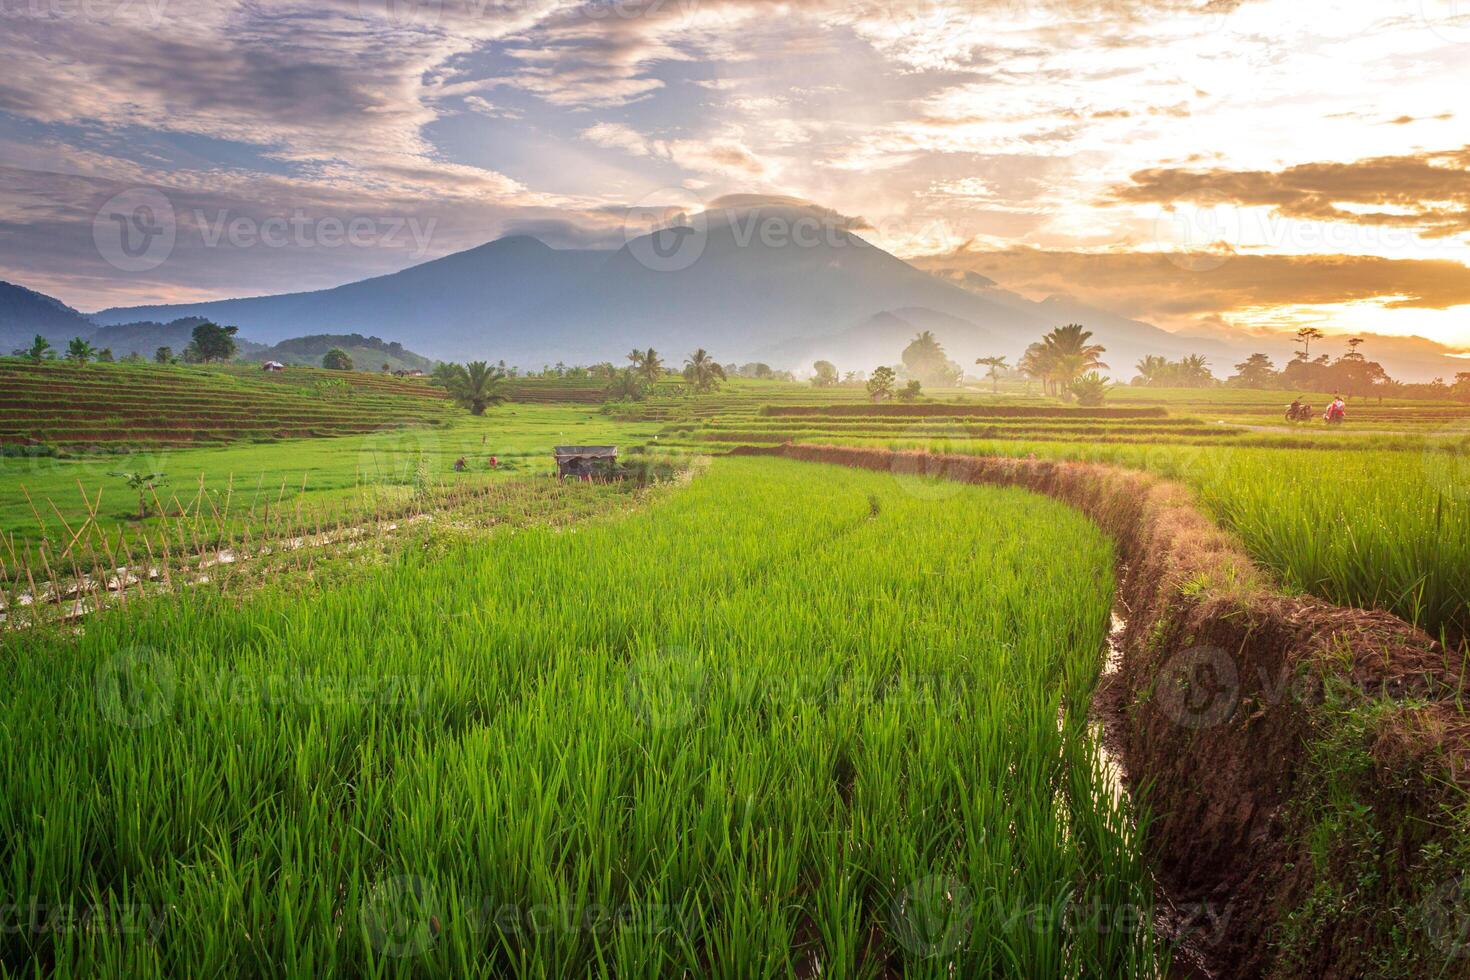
<point>653,366</point>
<point>1033,365</point>
<point>80,351</point>
<point>477,386</point>
<point>996,365</point>
<point>703,371</point>
<point>40,350</point>
<point>1151,370</point>
<point>1194,372</point>
<point>1069,355</point>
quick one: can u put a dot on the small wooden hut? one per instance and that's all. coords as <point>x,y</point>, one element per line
<point>585,461</point>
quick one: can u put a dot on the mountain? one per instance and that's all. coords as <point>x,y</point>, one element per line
<point>523,301</point>
<point>1127,340</point>
<point>880,339</point>
<point>25,313</point>
<point>782,285</point>
<point>146,336</point>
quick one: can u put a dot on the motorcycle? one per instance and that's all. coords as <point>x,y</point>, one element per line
<point>1299,413</point>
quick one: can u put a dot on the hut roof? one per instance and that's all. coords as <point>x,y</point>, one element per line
<point>595,452</point>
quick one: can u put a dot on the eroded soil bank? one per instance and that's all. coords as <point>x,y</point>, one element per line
<point>1306,765</point>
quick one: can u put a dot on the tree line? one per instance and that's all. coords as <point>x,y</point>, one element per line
<point>208,343</point>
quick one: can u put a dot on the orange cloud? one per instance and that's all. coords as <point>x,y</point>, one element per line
<point>1427,192</point>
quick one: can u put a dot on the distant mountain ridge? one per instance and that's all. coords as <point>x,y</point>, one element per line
<point>742,294</point>
<point>25,313</point>
<point>145,337</point>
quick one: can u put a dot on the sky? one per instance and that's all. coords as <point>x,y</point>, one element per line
<point>1207,165</point>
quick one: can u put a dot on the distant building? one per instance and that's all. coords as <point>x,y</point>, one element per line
<point>273,366</point>
<point>584,462</point>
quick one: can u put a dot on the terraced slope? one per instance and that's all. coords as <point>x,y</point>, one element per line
<point>117,406</point>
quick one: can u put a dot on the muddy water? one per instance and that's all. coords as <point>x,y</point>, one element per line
<point>1105,724</point>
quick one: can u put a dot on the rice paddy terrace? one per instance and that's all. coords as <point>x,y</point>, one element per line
<point>120,406</point>
<point>777,718</point>
<point>853,759</point>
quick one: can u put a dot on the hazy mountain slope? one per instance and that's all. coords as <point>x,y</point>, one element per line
<point>520,300</point>
<point>145,337</point>
<point>881,339</point>
<point>25,313</point>
<point>446,306</point>
<point>785,299</point>
<point>1128,340</point>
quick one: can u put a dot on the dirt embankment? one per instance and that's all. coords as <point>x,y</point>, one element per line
<point>1305,764</point>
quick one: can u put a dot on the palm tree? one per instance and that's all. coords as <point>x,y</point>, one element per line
<point>648,363</point>
<point>477,386</point>
<point>996,365</point>
<point>703,371</point>
<point>1069,355</point>
<point>1151,370</point>
<point>1194,371</point>
<point>1090,389</point>
<point>40,350</point>
<point>80,351</point>
<point>1033,365</point>
<point>627,386</point>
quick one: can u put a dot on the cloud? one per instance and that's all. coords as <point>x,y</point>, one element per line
<point>742,202</point>
<point>1426,192</point>
<point>1155,286</point>
<point>569,233</point>
<point>724,154</point>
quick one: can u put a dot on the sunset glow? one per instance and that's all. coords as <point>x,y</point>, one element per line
<point>1086,137</point>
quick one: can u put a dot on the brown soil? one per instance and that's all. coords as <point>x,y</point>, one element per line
<point>1221,680</point>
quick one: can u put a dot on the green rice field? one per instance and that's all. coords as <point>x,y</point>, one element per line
<point>786,720</point>
<point>1376,514</point>
<point>125,406</point>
